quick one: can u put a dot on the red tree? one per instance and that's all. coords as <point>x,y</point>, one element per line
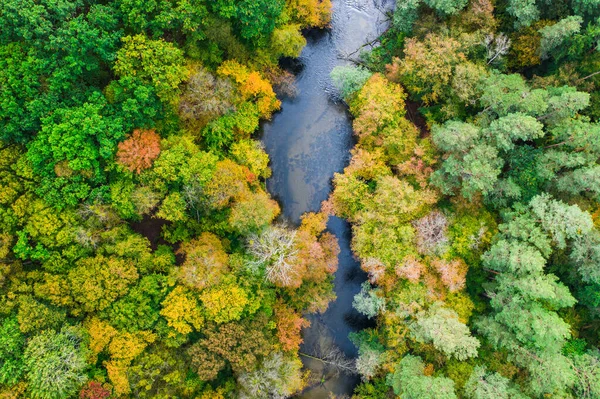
<point>139,150</point>
<point>94,390</point>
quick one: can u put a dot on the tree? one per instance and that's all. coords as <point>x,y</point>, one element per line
<point>97,282</point>
<point>431,235</point>
<point>182,311</point>
<point>427,67</point>
<point>310,13</point>
<point>153,61</point>
<point>139,150</point>
<point>441,327</point>
<point>256,20</point>
<point>56,363</point>
<point>253,213</point>
<point>225,302</point>
<point>277,377</point>
<point>71,150</point>
<point>410,382</point>
<point>205,262</point>
<point>368,302</point>
<point>240,344</point>
<point>525,12</point>
<point>486,385</point>
<point>349,79</point>
<point>206,97</point>
<point>275,250</point>
<point>251,153</point>
<point>94,390</point>
<point>289,327</point>
<point>12,344</point>
<point>287,41</point>
<point>446,7</point>
<point>139,309</point>
<point>554,36</point>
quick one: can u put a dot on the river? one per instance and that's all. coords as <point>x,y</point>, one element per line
<point>308,141</point>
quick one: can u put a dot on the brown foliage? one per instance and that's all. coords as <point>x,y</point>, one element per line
<point>241,344</point>
<point>139,150</point>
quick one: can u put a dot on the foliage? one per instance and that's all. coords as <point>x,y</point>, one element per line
<point>139,150</point>
<point>56,363</point>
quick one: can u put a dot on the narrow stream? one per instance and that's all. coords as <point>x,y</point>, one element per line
<point>308,141</point>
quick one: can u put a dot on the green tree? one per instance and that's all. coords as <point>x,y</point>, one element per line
<point>441,327</point>
<point>156,62</point>
<point>56,363</point>
<point>410,382</point>
<point>12,343</point>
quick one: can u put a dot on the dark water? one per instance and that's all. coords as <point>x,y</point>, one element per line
<point>308,141</point>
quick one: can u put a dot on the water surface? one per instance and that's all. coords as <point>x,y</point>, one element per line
<point>308,141</point>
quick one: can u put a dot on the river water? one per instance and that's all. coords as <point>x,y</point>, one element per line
<point>308,141</point>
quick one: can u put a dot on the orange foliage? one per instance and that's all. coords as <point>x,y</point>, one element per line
<point>317,255</point>
<point>252,86</point>
<point>289,326</point>
<point>139,150</point>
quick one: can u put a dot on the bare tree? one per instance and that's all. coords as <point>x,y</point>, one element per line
<point>431,233</point>
<point>325,351</point>
<point>497,46</point>
<point>275,250</point>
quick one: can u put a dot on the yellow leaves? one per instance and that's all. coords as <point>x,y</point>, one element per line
<point>123,348</point>
<point>205,261</point>
<point>127,346</point>
<point>314,13</point>
<point>224,303</point>
<point>100,333</point>
<point>314,223</point>
<point>117,373</point>
<point>427,66</point>
<point>182,311</point>
<point>252,87</point>
<point>377,104</point>
<point>99,281</point>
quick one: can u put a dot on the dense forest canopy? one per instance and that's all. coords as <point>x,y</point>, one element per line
<point>139,250</point>
<point>479,226</point>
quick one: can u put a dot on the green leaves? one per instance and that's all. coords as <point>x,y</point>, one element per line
<point>410,382</point>
<point>56,363</point>
<point>154,61</point>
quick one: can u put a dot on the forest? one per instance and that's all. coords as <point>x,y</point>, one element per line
<point>141,255</point>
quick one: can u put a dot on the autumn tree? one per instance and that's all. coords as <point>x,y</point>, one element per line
<point>289,327</point>
<point>239,344</point>
<point>205,262</point>
<point>138,151</point>
<point>97,282</point>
